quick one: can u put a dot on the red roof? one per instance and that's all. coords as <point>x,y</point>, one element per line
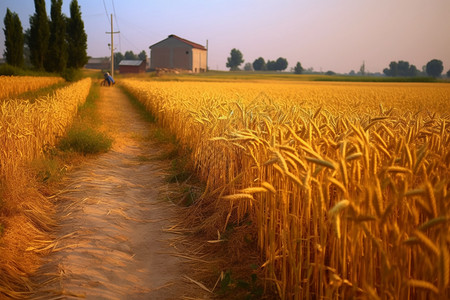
<point>194,45</point>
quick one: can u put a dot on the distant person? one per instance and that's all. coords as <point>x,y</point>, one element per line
<point>109,79</point>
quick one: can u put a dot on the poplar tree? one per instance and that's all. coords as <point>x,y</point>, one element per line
<point>57,48</point>
<point>13,39</point>
<point>39,35</point>
<point>76,38</point>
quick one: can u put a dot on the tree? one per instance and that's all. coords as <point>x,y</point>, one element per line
<point>118,57</point>
<point>248,67</point>
<point>259,64</point>
<point>129,55</point>
<point>13,39</point>
<point>281,64</point>
<point>235,60</point>
<point>434,68</point>
<point>401,68</point>
<point>142,55</point>
<point>56,60</point>
<point>39,35</point>
<point>76,38</point>
<point>298,69</point>
<point>271,65</point>
<point>448,74</point>
<point>362,69</point>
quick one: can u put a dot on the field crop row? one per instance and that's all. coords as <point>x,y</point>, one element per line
<point>11,86</point>
<point>26,128</point>
<point>347,183</point>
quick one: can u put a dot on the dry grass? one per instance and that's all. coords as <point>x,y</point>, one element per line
<point>347,182</point>
<point>27,130</point>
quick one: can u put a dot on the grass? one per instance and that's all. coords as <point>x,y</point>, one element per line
<point>85,140</point>
<point>9,70</point>
<point>145,114</point>
<point>84,137</point>
<point>225,76</point>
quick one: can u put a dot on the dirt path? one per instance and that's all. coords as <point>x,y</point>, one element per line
<point>113,243</point>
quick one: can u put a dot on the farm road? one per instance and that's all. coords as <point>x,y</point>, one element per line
<point>112,240</point>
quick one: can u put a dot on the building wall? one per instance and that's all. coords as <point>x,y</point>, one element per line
<point>181,57</point>
<point>160,58</point>
<point>174,54</point>
<point>132,69</point>
<point>198,60</point>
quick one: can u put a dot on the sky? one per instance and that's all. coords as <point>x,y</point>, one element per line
<point>336,35</point>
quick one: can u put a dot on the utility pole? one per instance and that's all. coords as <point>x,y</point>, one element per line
<point>112,46</point>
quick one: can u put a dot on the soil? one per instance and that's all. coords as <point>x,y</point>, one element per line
<point>115,238</point>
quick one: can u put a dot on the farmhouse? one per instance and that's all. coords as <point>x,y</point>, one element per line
<point>177,53</point>
<point>132,66</point>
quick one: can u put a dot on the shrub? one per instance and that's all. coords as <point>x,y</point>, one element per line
<point>85,140</point>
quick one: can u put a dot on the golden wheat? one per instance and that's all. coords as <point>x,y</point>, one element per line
<point>358,175</point>
<point>14,85</point>
<point>27,128</point>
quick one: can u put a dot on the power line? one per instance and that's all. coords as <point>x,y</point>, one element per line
<point>117,23</point>
<point>106,11</point>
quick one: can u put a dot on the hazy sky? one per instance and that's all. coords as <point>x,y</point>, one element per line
<point>335,35</point>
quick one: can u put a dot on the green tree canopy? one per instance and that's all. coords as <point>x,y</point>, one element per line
<point>118,57</point>
<point>434,67</point>
<point>76,38</point>
<point>281,64</point>
<point>448,73</point>
<point>13,39</point>
<point>298,69</point>
<point>143,55</point>
<point>39,35</point>
<point>259,64</point>
<point>248,67</point>
<point>277,65</point>
<point>271,65</point>
<point>56,59</point>
<point>235,60</point>
<point>129,55</point>
<point>401,68</point>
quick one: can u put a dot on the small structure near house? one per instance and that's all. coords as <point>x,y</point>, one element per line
<point>98,63</point>
<point>178,53</point>
<point>132,66</point>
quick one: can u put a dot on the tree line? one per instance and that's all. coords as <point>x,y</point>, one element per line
<point>401,68</point>
<point>52,44</point>
<point>236,59</point>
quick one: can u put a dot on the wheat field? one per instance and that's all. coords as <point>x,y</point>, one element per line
<point>26,131</point>
<point>11,86</point>
<point>27,128</point>
<point>347,183</point>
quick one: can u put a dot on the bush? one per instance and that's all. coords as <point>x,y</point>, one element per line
<point>85,140</point>
<point>8,70</point>
<point>72,75</point>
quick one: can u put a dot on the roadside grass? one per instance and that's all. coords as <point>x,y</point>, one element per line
<point>187,186</point>
<point>82,138</point>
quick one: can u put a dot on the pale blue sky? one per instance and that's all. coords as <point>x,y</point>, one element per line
<point>327,35</point>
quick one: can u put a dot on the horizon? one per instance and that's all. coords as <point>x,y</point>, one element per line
<point>324,35</point>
